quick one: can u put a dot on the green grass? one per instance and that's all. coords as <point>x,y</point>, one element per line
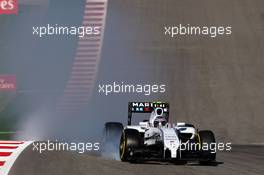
<point>5,135</point>
<point>7,120</point>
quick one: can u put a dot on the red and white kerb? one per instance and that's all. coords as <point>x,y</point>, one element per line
<point>9,152</point>
<point>84,69</point>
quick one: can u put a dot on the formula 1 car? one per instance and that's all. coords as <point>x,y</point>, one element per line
<point>155,138</point>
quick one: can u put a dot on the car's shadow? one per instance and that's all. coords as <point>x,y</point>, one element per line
<point>215,163</point>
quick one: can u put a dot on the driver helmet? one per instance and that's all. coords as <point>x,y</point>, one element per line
<point>157,118</point>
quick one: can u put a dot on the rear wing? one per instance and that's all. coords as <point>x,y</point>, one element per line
<point>145,107</point>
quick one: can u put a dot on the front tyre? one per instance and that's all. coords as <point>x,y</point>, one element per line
<point>207,139</point>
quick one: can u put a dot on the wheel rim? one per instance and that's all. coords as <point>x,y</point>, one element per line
<point>122,147</point>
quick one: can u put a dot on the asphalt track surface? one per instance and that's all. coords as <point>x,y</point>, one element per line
<point>242,160</point>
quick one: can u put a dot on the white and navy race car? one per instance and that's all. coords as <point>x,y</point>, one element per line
<point>155,138</point>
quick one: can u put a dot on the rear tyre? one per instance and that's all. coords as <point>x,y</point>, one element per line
<point>112,134</point>
<point>209,155</point>
<point>130,140</point>
<point>113,131</point>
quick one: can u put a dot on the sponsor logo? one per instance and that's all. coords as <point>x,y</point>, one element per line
<point>155,105</point>
<point>148,106</point>
<point>7,83</point>
<point>140,104</point>
<point>8,7</point>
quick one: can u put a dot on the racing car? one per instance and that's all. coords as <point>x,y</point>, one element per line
<point>155,138</point>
